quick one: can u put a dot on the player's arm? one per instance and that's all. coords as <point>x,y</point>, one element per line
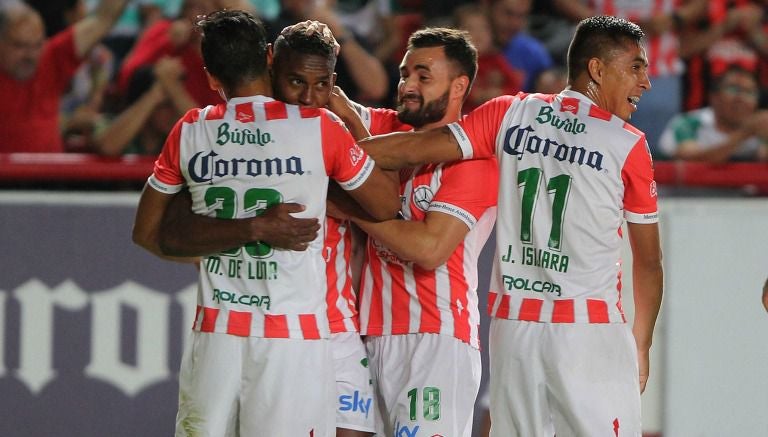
<point>648,278</point>
<point>185,233</point>
<point>146,226</point>
<point>428,243</point>
<point>91,29</point>
<point>349,112</point>
<point>410,149</point>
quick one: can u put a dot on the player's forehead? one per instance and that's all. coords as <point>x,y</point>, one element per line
<point>628,52</point>
<point>304,64</point>
<point>427,59</point>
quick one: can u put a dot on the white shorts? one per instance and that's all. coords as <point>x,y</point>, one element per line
<point>425,384</point>
<point>354,391</point>
<point>573,380</point>
<point>254,387</point>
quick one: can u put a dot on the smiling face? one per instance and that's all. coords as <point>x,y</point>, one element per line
<point>303,79</point>
<point>623,78</point>
<point>423,92</point>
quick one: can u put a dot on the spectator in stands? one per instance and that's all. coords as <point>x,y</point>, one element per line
<point>360,74</point>
<point>495,76</point>
<point>175,38</point>
<point>730,129</point>
<point>509,20</point>
<point>36,71</point>
<point>551,81</point>
<point>156,99</point>
<point>729,32</point>
<point>660,20</point>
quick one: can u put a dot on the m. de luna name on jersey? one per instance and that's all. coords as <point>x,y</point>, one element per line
<point>243,269</point>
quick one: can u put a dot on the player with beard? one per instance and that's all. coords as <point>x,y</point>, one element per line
<point>418,292</point>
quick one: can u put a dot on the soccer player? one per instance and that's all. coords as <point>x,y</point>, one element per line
<point>259,349</point>
<point>572,169</point>
<point>418,294</point>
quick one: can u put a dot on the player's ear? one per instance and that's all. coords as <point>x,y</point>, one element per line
<point>595,69</point>
<point>459,87</point>
<point>270,56</point>
<point>213,83</point>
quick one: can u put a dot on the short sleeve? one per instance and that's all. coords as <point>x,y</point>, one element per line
<point>467,189</point>
<point>167,177</point>
<point>345,161</point>
<point>640,196</point>
<point>478,130</point>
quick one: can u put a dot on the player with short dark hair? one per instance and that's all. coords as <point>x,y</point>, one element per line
<point>572,170</point>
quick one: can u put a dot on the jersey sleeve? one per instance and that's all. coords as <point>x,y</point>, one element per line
<point>381,121</point>
<point>467,189</point>
<point>640,197</point>
<point>167,177</point>
<point>477,131</point>
<point>345,161</point>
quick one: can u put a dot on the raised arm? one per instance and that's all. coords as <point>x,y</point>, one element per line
<point>93,28</point>
<point>184,233</point>
<point>648,281</point>
<point>410,149</point>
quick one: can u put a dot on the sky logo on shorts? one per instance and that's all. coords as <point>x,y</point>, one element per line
<point>355,402</point>
<point>405,430</point>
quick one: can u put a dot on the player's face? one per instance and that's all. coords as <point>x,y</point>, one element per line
<point>735,98</point>
<point>301,79</point>
<point>625,80</point>
<point>21,46</point>
<point>423,90</point>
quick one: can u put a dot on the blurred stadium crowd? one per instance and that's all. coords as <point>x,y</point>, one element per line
<point>112,77</point>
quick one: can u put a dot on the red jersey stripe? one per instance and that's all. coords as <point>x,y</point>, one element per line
<point>309,112</point>
<point>244,113</point>
<point>600,113</point>
<point>503,311</point>
<point>570,104</point>
<point>492,295</point>
<point>530,310</point>
<point>461,324</point>
<point>275,110</point>
<point>239,323</point>
<point>562,311</point>
<point>209,319</point>
<point>401,317</point>
<point>217,112</point>
<point>308,324</point>
<point>376,316</point>
<point>597,311</point>
<point>275,326</point>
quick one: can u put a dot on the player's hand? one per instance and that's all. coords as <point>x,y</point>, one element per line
<point>283,230</point>
<point>643,361</point>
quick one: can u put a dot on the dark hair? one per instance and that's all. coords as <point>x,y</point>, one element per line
<point>299,39</point>
<point>595,37</point>
<point>234,46</point>
<point>456,44</point>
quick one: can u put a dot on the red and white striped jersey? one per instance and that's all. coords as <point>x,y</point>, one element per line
<point>342,299</point>
<point>399,297</point>
<point>662,50</point>
<point>570,173</point>
<point>237,159</point>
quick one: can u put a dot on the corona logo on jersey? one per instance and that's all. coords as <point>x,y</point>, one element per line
<point>204,166</point>
<point>520,140</point>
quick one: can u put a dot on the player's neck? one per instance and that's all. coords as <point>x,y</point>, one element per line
<point>259,87</point>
